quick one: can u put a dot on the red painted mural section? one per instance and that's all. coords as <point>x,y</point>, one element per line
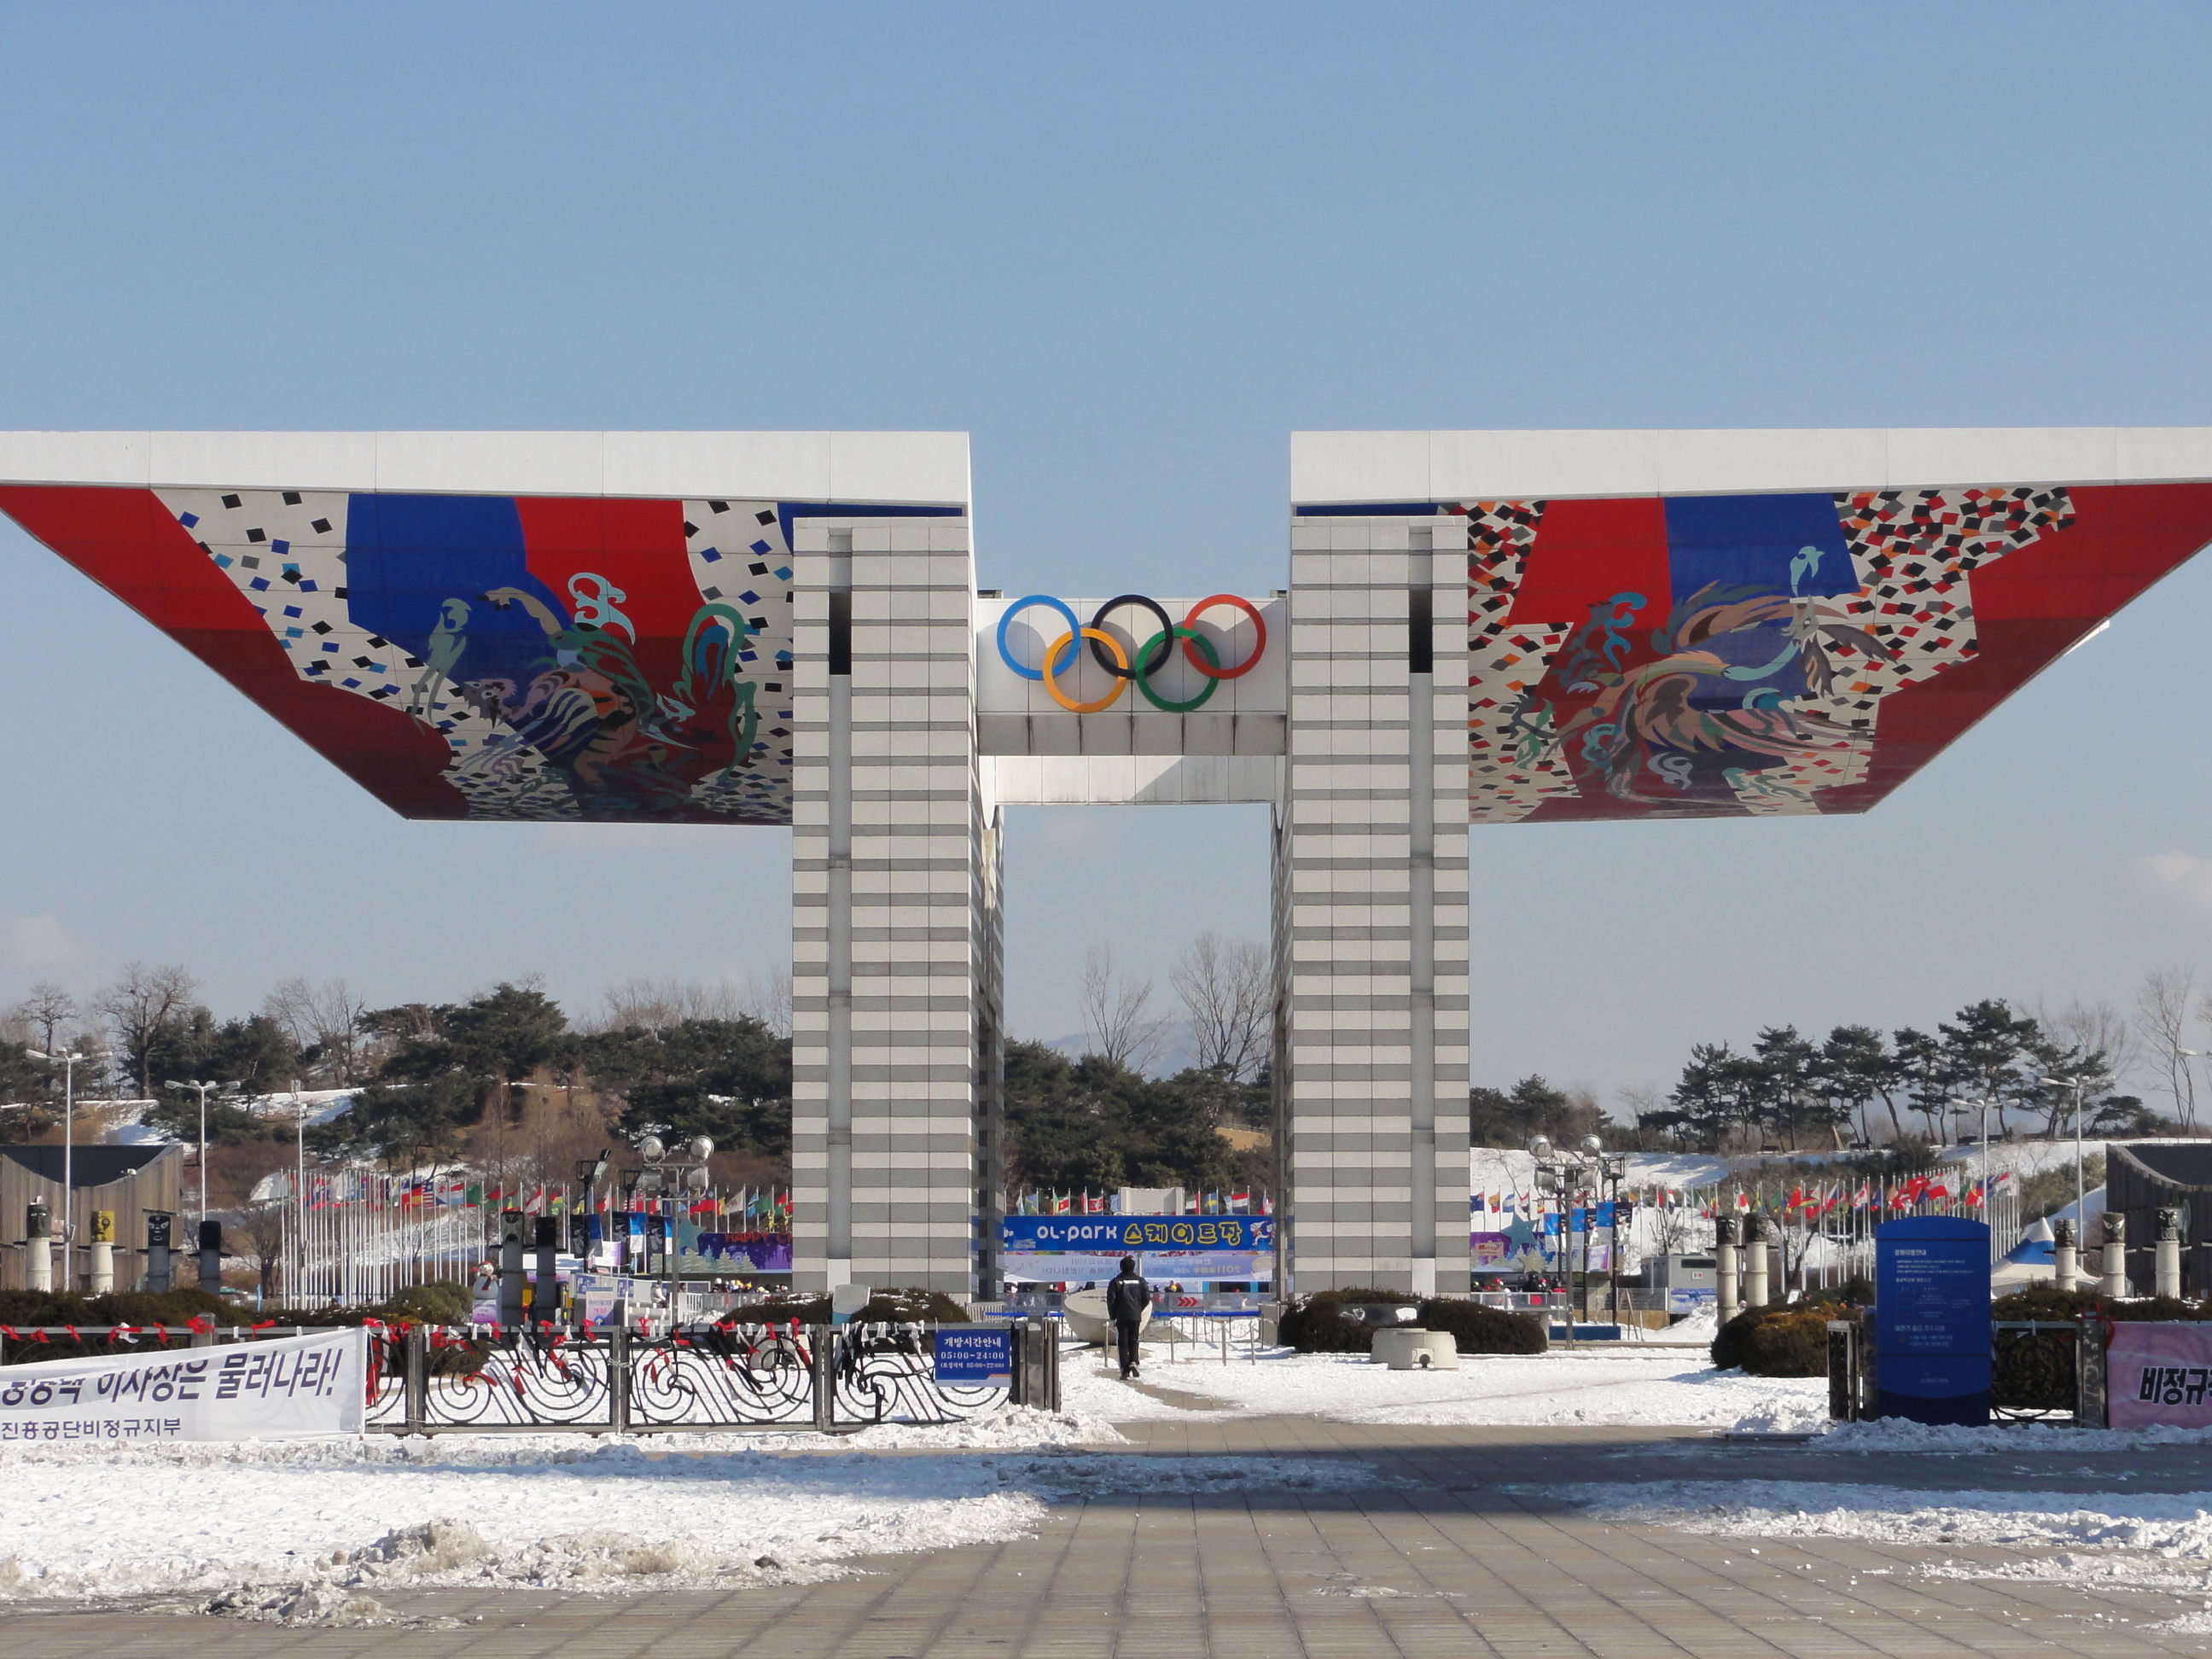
<point>126,541</point>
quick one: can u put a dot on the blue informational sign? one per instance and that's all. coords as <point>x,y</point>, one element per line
<point>1133,1234</point>
<point>1931,1319</point>
<point>975,1357</point>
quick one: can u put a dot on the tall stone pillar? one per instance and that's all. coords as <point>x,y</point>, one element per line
<point>1372,905</point>
<point>895,931</point>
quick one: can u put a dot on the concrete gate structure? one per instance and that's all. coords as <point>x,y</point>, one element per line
<point>756,629</point>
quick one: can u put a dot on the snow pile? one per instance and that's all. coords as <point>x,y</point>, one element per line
<point>315,1531</point>
<point>2174,1527</point>
<point>1623,1386</point>
<point>1895,1434</point>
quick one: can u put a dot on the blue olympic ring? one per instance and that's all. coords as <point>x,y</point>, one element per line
<point>1067,656</point>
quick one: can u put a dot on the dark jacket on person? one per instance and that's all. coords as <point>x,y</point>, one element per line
<point>1127,1296</point>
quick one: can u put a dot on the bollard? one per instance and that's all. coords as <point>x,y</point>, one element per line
<point>1843,1391</point>
<point>1754,1275</point>
<point>823,1354</point>
<point>2068,1270</point>
<point>1725,1263</point>
<point>2090,1409</point>
<point>38,1246</point>
<point>414,1377</point>
<point>618,1368</point>
<point>2116,1255</point>
<point>2167,1270</point>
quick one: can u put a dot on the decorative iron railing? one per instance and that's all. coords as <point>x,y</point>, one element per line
<point>713,1378</point>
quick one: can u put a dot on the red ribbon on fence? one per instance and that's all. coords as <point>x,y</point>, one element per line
<point>200,1325</point>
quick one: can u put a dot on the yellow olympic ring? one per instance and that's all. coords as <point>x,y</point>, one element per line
<point>1052,685</point>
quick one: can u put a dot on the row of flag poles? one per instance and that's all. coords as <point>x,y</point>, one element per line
<point>752,1208</point>
<point>1087,1203</point>
<point>1829,1223</point>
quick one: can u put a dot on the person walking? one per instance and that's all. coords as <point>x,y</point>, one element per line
<point>1127,1299</point>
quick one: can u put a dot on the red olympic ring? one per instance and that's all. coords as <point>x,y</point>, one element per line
<point>1259,642</point>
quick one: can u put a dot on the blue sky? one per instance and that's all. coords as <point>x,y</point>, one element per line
<point>1129,249</point>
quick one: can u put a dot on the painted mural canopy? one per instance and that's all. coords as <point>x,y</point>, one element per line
<point>492,657</point>
<point>1786,653</point>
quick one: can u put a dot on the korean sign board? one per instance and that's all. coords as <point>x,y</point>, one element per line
<point>1931,1319</point>
<point>2158,1376</point>
<point>291,1388</point>
<point>975,1358</point>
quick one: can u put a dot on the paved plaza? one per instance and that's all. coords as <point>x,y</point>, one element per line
<point>1463,1545</point>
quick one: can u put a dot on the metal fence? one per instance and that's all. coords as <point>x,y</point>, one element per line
<point>718,1378</point>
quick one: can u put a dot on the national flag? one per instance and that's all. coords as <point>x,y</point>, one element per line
<point>1240,1203</point>
<point>1742,1199</point>
<point>1796,1199</point>
<point>1975,1195</point>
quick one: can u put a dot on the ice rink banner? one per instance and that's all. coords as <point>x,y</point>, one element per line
<point>289,1389</point>
<point>1135,1235</point>
<point>1161,1267</point>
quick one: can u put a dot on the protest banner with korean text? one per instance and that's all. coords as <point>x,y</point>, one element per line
<point>289,1388</point>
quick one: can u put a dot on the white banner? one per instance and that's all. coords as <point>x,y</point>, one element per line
<point>289,1388</point>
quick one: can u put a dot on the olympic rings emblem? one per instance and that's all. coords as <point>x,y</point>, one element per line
<point>1152,655</point>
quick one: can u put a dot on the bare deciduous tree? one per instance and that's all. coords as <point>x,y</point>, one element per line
<point>257,1234</point>
<point>1226,990</point>
<point>137,1006</point>
<point>325,1018</point>
<point>1116,1011</point>
<point>2165,1002</point>
<point>48,1016</point>
<point>766,998</point>
<point>654,1004</point>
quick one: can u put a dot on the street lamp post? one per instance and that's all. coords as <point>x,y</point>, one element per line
<point>203,1088</point>
<point>671,1172</point>
<point>2081,1193</point>
<point>69,1063</point>
<point>1960,1107</point>
<point>1567,1172</point>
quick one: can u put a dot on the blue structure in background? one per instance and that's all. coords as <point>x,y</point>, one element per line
<point>1931,1319</point>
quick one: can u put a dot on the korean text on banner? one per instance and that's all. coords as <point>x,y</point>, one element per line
<point>294,1388</point>
<point>2158,1376</point>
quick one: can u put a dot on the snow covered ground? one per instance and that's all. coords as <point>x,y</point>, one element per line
<point>321,1526</point>
<point>2108,1541</point>
<point>1618,1386</point>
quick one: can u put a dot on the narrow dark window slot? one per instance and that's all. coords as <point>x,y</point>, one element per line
<point>1420,635</point>
<point>840,633</point>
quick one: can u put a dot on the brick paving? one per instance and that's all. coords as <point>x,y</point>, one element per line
<point>1464,1555</point>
